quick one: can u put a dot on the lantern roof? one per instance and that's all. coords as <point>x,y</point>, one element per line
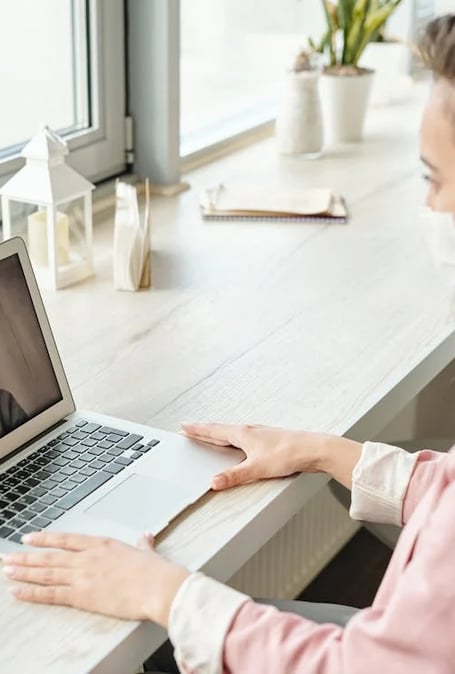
<point>45,145</point>
<point>46,178</point>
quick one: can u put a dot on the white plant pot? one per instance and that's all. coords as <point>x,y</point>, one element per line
<point>344,105</point>
<point>299,121</point>
<point>391,62</point>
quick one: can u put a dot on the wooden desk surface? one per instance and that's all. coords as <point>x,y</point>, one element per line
<point>321,327</point>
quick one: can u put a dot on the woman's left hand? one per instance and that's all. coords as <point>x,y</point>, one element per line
<point>96,574</point>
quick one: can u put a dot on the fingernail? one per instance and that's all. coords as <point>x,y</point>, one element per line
<point>27,538</point>
<point>8,570</point>
<point>219,482</point>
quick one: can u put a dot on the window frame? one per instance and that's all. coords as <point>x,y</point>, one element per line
<point>99,150</point>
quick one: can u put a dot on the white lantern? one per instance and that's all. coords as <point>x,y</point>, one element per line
<point>61,254</point>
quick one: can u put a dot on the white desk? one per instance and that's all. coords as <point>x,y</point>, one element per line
<point>330,328</point>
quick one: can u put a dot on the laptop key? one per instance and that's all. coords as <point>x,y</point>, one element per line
<point>88,442</point>
<point>11,496</point>
<point>106,458</point>
<point>50,484</point>
<point>37,507</point>
<point>22,474</point>
<point>58,478</point>
<point>84,490</point>
<point>136,455</point>
<point>67,471</point>
<point>123,460</point>
<point>79,478</point>
<point>105,444</point>
<point>81,423</point>
<point>17,522</point>
<point>153,442</point>
<point>48,500</point>
<point>5,532</point>
<point>108,430</point>
<point>129,441</point>
<point>114,438</point>
<point>27,499</point>
<point>91,427</point>
<point>88,471</point>
<point>41,475</point>
<point>28,529</point>
<point>97,464</point>
<point>114,468</point>
<point>52,454</point>
<point>61,461</point>
<point>40,522</point>
<point>17,507</point>
<point>38,491</point>
<point>70,442</point>
<point>40,461</point>
<point>137,447</point>
<point>58,492</point>
<point>69,484</point>
<point>115,451</point>
<point>70,455</point>
<point>96,451</point>
<point>28,514</point>
<point>53,513</point>
<point>77,463</point>
<point>31,482</point>
<point>16,537</point>
<point>8,514</point>
<point>79,435</point>
<point>98,435</point>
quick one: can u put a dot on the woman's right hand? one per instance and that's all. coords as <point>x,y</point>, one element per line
<point>277,452</point>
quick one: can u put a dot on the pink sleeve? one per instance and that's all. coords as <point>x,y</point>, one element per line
<point>413,633</point>
<point>427,466</point>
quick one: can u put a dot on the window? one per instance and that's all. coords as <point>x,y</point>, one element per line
<point>233,57</point>
<point>62,64</point>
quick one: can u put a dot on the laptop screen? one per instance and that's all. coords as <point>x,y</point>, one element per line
<point>28,384</point>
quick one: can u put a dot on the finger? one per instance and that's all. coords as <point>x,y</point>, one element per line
<point>40,594</point>
<point>38,575</point>
<point>50,558</point>
<point>146,542</point>
<point>242,473</point>
<point>202,438</point>
<point>227,434</point>
<point>56,539</point>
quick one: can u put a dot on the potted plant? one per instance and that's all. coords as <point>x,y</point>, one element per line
<point>351,25</point>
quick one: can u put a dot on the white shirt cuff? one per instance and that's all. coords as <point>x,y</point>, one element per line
<point>199,619</point>
<point>379,482</point>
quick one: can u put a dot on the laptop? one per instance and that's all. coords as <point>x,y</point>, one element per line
<point>66,470</point>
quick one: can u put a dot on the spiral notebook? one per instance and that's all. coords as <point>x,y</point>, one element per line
<point>288,205</point>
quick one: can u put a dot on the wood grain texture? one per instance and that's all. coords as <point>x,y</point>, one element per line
<point>295,325</point>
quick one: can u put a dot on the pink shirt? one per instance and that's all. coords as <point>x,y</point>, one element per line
<point>409,629</point>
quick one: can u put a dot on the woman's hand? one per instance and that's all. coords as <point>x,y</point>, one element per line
<point>276,452</point>
<point>96,574</point>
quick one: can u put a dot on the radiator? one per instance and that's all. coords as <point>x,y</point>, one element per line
<point>290,560</point>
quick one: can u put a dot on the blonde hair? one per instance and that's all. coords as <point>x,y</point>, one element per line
<point>437,47</point>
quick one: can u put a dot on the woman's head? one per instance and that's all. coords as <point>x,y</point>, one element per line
<point>437,134</point>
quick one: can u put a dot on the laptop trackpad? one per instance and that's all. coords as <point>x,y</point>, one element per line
<point>141,502</point>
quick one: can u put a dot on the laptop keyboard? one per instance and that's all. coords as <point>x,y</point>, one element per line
<point>56,477</point>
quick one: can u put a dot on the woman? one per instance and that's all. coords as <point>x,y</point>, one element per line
<point>409,627</point>
<point>11,413</point>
